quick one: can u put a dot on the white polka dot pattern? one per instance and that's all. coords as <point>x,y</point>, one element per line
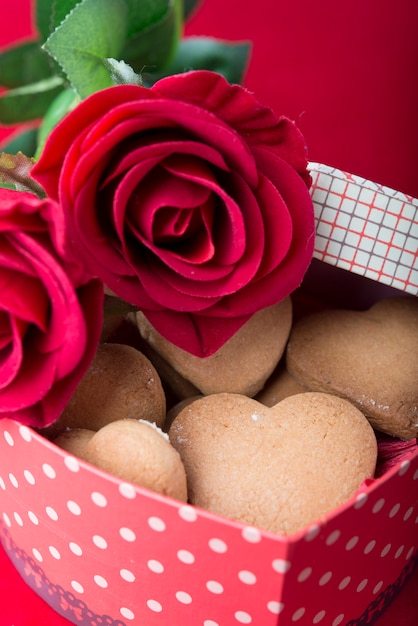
<point>75,548</point>
<point>127,575</point>
<point>48,470</point>
<point>102,540</point>
<point>214,587</point>
<point>99,499</point>
<point>127,613</point>
<point>185,556</point>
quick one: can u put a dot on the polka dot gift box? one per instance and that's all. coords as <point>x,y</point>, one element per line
<point>102,551</point>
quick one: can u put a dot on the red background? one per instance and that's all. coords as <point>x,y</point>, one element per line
<point>347,73</point>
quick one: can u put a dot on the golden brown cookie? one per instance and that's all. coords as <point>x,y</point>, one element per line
<point>139,452</point>
<point>242,364</point>
<point>74,441</point>
<point>176,387</point>
<point>120,383</point>
<point>278,468</point>
<point>369,357</point>
<point>176,408</point>
<point>280,385</point>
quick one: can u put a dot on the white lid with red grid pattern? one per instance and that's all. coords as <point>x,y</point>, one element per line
<point>365,228</point>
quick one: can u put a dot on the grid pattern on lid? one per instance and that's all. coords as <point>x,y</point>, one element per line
<point>365,228</point>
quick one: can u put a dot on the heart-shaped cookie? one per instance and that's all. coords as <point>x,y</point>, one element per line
<point>369,357</point>
<point>277,468</point>
<point>120,383</point>
<point>242,364</point>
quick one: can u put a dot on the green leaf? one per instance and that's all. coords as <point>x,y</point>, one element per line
<point>141,33</point>
<point>154,45</point>
<point>145,13</point>
<point>29,103</point>
<point>24,64</point>
<point>142,14</point>
<point>24,142</point>
<point>198,53</point>
<point>50,13</point>
<point>121,73</point>
<point>15,173</point>
<point>94,30</point>
<point>60,106</point>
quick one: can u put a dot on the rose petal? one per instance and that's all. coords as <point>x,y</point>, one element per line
<point>66,318</point>
<point>128,185</point>
<point>13,222</point>
<point>58,392</point>
<point>139,149</point>
<point>165,292</point>
<point>20,212</point>
<point>285,278</point>
<point>11,354</point>
<point>213,280</point>
<point>33,378</point>
<point>94,144</point>
<point>162,188</point>
<point>101,249</point>
<point>198,123</point>
<point>277,226</point>
<point>43,336</point>
<point>23,297</point>
<point>47,171</point>
<point>240,109</point>
<point>39,370</point>
<point>233,222</point>
<point>201,336</point>
<point>167,213</point>
<point>231,103</point>
<point>5,330</point>
<point>9,257</point>
<point>89,156</point>
<point>236,215</point>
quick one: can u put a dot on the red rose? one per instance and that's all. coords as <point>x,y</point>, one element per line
<point>189,200</point>
<point>50,315</point>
